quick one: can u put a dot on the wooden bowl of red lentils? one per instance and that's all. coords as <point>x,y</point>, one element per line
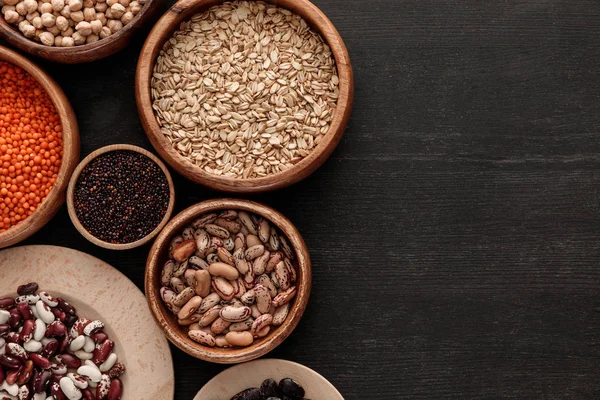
<point>39,147</point>
<point>120,197</point>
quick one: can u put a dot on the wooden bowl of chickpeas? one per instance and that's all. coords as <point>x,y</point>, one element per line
<point>74,31</point>
<point>20,136</point>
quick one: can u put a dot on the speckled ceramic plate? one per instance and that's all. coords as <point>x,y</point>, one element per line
<point>99,291</point>
<point>235,379</point>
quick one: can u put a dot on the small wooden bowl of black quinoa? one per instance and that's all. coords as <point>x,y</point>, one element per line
<point>120,197</point>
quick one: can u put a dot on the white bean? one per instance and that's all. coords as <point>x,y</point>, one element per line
<point>69,389</point>
<point>44,312</point>
<point>109,363</point>
<point>77,343</point>
<point>33,346</point>
<point>40,330</point>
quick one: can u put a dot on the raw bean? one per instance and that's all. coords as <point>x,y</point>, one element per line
<point>24,310</point>
<point>209,302</point>
<point>228,214</point>
<point>255,312</point>
<point>78,380</point>
<point>223,288</point>
<point>280,314</point>
<point>12,376</point>
<point>202,338</point>
<point>69,389</point>
<point>260,263</point>
<point>284,297</point>
<point>225,256</point>
<point>238,287</point>
<point>249,279</point>
<point>283,276</point>
<point>288,387</point>
<point>248,298</point>
<point>28,298</point>
<point>231,226</point>
<point>188,233</point>
<point>167,273</point>
<point>189,321</point>
<point>242,326</point>
<point>12,337</point>
<point>184,250</point>
<point>241,339</point>
<point>59,314</point>
<point>185,296</point>
<point>91,372</point>
<point>285,247</point>
<point>44,312</point>
<point>89,345</point>
<point>79,326</point>
<point>273,261</point>
<point>77,343</point>
<point>247,222</point>
<point>110,362</point>
<point>235,314</point>
<point>15,350</point>
<point>268,283</point>
<point>195,262</point>
<point>14,320</point>
<point>274,240</point>
<point>210,316</point>
<point>217,231</point>
<point>102,351</point>
<point>103,387</point>
<point>24,393</point>
<point>68,360</point>
<point>6,303</point>
<point>204,220</point>
<point>56,329</point>
<point>212,258</point>
<point>177,285</point>
<point>254,251</point>
<point>99,337</point>
<point>202,242</point>
<point>30,288</point>
<point>264,230</point>
<point>229,244</point>
<point>263,298</point>
<point>116,390</point>
<point>190,278</point>
<point>291,270</point>
<point>117,370</point>
<point>219,326</point>
<point>220,341</point>
<point>223,270</point>
<point>180,269</point>
<point>12,389</point>
<point>50,348</point>
<point>49,300</point>
<point>263,332</point>
<point>240,261</point>
<point>33,346</point>
<point>252,240</point>
<point>83,355</point>
<point>260,323</point>
<point>9,361</point>
<point>168,296</point>
<point>239,242</point>
<point>4,316</point>
<point>40,380</point>
<point>58,369</point>
<point>66,307</point>
<point>87,395</point>
<point>203,283</point>
<point>274,280</point>
<point>190,307</point>
<point>26,373</point>
<point>27,332</point>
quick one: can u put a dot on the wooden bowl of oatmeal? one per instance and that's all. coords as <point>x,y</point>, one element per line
<point>261,117</point>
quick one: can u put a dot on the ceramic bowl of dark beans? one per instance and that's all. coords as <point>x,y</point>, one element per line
<point>120,197</point>
<point>269,379</point>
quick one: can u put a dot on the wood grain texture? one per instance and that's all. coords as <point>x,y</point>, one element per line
<point>164,29</point>
<point>454,231</point>
<point>71,194</point>
<point>87,52</point>
<point>166,320</point>
<point>70,136</point>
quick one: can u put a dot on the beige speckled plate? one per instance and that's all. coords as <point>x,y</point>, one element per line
<point>235,379</point>
<point>99,291</point>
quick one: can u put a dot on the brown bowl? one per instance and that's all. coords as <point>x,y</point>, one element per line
<point>162,31</point>
<point>75,178</point>
<point>87,52</point>
<point>167,321</point>
<point>56,197</point>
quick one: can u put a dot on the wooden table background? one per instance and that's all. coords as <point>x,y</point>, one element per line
<point>454,232</point>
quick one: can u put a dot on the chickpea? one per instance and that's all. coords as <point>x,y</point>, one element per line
<point>66,12</point>
<point>12,17</point>
<point>127,17</point>
<point>7,8</point>
<point>47,38</point>
<point>101,7</point>
<point>117,10</point>
<point>88,3</point>
<point>58,41</point>
<point>92,39</point>
<point>53,30</point>
<point>102,18</point>
<point>30,5</point>
<point>20,9</point>
<point>29,17</point>
<point>62,23</point>
<point>58,5</point>
<point>37,23</point>
<point>111,2</point>
<point>105,32</point>
<point>84,28</point>
<point>114,25</point>
<point>96,27</point>
<point>11,2</point>
<point>27,29</point>
<point>77,16</point>
<point>68,42</point>
<point>75,5</point>
<point>45,8</point>
<point>78,38</point>
<point>125,3</point>
<point>89,14</point>
<point>135,7</point>
<point>68,32</point>
<point>48,20</point>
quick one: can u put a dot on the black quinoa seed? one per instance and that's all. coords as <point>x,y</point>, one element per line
<point>121,196</point>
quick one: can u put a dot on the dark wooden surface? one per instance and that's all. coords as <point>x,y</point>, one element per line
<point>455,231</point>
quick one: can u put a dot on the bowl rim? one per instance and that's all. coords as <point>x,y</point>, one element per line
<point>164,318</point>
<point>163,29</point>
<point>86,52</point>
<point>75,178</point>
<point>70,136</point>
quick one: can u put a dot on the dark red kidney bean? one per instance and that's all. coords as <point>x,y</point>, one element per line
<point>9,361</point>
<point>26,373</point>
<point>6,303</point>
<point>25,311</point>
<point>1,374</point>
<point>66,307</point>
<point>12,376</point>
<point>56,378</point>
<point>71,319</point>
<point>27,332</point>
<point>57,392</point>
<point>63,344</point>
<point>59,314</point>
<point>13,337</point>
<point>50,348</point>
<point>117,370</point>
<point>56,329</point>
<point>69,360</point>
<point>39,361</point>
<point>40,380</point>
<point>88,395</point>
<point>102,351</point>
<point>15,318</point>
<point>30,288</point>
<point>4,329</point>
<point>99,337</point>
<point>116,390</point>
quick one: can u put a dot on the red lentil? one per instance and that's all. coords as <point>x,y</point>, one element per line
<point>31,146</point>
